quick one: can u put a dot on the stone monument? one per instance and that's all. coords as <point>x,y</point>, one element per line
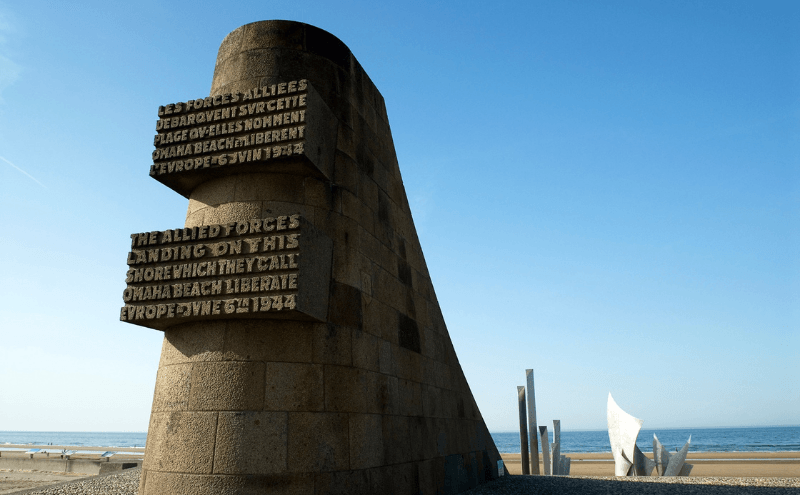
<point>304,349</point>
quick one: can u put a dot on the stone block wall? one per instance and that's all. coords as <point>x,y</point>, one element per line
<point>372,400</point>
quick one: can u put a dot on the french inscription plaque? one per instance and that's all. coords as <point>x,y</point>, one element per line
<point>206,138</point>
<point>275,267</point>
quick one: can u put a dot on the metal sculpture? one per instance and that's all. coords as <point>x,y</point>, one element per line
<point>622,432</point>
<point>523,431</point>
<point>545,450</point>
<point>629,460</point>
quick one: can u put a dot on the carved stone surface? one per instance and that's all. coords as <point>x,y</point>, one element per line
<point>285,127</point>
<point>313,364</point>
<point>275,267</point>
<point>545,450</point>
<point>532,427</point>
<point>523,431</point>
<point>622,432</point>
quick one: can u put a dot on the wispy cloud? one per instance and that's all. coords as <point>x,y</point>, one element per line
<point>9,70</point>
<point>24,172</point>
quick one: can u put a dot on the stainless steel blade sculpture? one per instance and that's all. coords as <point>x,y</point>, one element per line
<point>677,462</point>
<point>629,460</point>
<point>556,446</point>
<point>532,429</point>
<point>622,432</point>
<point>560,462</point>
<point>556,453</point>
<point>642,465</point>
<point>553,462</point>
<point>660,455</point>
<point>545,450</point>
<point>523,431</point>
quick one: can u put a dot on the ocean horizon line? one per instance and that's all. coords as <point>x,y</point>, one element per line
<point>490,431</point>
<point>662,428</point>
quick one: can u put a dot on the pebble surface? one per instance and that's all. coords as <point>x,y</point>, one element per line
<point>607,485</point>
<point>127,483</point>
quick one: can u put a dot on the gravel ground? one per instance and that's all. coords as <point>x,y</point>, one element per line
<point>544,485</point>
<point>127,483</point>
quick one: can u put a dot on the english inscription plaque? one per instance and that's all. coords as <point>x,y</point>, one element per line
<point>275,267</point>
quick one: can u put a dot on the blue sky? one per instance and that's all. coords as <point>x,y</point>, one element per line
<point>605,192</point>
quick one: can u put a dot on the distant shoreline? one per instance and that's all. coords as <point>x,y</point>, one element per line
<point>54,448</point>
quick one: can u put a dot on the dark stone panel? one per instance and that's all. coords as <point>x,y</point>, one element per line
<point>485,473</point>
<point>327,45</point>
<point>345,174</point>
<point>401,248</point>
<point>455,475</point>
<point>432,476</point>
<point>384,209</point>
<point>354,482</point>
<point>408,333</point>
<point>365,160</point>
<point>404,272</point>
<point>411,307</point>
<point>406,478</point>
<point>345,306</point>
<point>471,463</point>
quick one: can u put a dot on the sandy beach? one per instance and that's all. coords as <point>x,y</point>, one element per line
<point>715,464</point>
<point>22,479</point>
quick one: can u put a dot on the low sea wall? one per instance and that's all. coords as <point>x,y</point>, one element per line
<point>58,465</point>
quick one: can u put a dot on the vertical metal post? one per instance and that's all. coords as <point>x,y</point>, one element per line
<point>557,468</point>
<point>545,450</point>
<point>534,438</point>
<point>523,431</point>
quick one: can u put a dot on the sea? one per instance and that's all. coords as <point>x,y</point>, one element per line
<point>750,439</point>
<point>74,438</point>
